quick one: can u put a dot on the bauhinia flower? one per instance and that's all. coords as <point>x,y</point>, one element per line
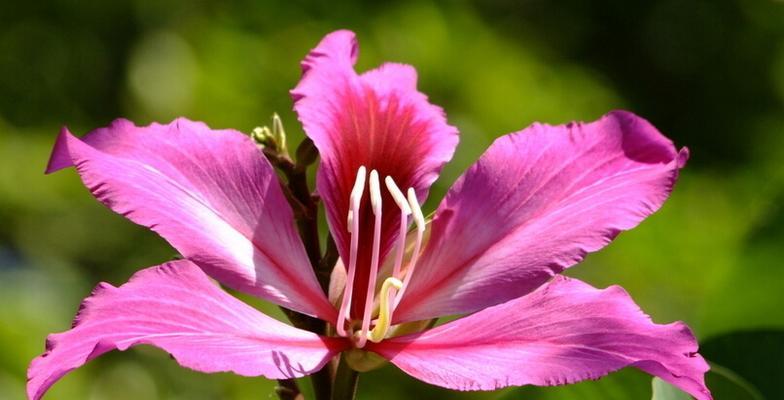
<point>533,205</point>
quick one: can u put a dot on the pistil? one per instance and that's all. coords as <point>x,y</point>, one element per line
<point>384,313</point>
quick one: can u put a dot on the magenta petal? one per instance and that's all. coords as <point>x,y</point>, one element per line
<point>534,204</point>
<point>377,119</point>
<point>175,307</point>
<point>565,332</point>
<point>211,194</point>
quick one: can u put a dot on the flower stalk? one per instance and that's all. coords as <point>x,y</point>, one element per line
<point>346,381</point>
<point>296,188</point>
<point>299,195</point>
<point>288,389</point>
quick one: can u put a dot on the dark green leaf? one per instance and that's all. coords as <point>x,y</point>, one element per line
<point>756,357</point>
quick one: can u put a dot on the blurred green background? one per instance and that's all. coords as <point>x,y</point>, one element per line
<point>708,73</point>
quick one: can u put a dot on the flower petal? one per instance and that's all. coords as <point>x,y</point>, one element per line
<point>175,307</point>
<point>565,332</point>
<point>377,119</point>
<point>536,203</point>
<point>211,194</point>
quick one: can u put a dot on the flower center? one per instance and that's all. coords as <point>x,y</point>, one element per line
<point>393,287</point>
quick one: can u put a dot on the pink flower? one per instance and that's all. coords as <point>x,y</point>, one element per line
<point>533,205</point>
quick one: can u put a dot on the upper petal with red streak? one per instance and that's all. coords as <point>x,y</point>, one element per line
<point>378,119</point>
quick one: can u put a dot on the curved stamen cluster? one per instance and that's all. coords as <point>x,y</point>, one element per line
<point>408,205</point>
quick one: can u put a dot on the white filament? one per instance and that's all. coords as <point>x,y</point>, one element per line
<point>419,220</point>
<point>405,211</point>
<point>375,202</point>
<point>353,227</point>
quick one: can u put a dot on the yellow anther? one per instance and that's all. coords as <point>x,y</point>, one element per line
<point>384,313</point>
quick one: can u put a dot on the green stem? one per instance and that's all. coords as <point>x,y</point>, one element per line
<point>327,263</point>
<point>322,382</point>
<point>346,379</point>
<point>305,205</point>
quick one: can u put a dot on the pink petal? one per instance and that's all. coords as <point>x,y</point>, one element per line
<point>377,119</point>
<point>536,203</point>
<point>565,332</point>
<point>175,307</point>
<point>211,194</point>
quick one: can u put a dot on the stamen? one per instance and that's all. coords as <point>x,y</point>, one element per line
<point>397,195</point>
<point>353,227</point>
<point>356,196</point>
<point>375,192</point>
<point>384,314</point>
<point>375,202</point>
<point>419,220</point>
<point>405,211</point>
